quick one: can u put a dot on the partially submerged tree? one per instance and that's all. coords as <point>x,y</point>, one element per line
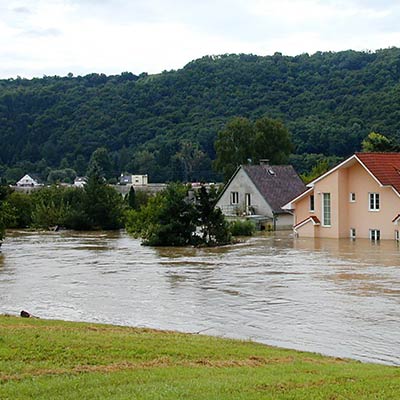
<point>172,218</point>
<point>166,220</point>
<point>212,224</point>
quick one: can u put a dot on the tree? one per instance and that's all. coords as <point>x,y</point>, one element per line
<point>233,146</point>
<point>375,142</point>
<point>170,219</point>
<point>100,162</point>
<point>214,228</point>
<point>271,141</point>
<point>131,198</point>
<point>243,142</point>
<point>102,205</point>
<point>166,220</point>
<point>66,175</point>
<point>6,215</point>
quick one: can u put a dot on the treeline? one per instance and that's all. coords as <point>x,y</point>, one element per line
<point>176,216</point>
<point>165,125</point>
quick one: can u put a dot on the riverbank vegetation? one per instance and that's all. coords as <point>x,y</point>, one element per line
<point>176,216</point>
<point>96,206</point>
<point>42,359</point>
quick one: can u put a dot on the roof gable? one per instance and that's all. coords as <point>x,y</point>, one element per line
<point>385,167</point>
<point>276,183</point>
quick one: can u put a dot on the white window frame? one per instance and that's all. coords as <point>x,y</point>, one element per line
<point>235,198</point>
<point>311,209</point>
<point>353,233</point>
<point>375,235</point>
<point>324,219</point>
<point>374,201</point>
<point>352,197</point>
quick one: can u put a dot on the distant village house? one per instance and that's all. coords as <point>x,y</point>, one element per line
<point>135,180</point>
<point>28,181</point>
<point>80,181</point>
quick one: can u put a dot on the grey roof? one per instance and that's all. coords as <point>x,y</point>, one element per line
<point>278,184</point>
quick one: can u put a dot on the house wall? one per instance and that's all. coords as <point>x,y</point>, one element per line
<point>284,221</point>
<point>346,214</point>
<point>242,184</point>
<point>302,211</point>
<point>328,185</point>
<point>308,230</point>
<point>359,216</point>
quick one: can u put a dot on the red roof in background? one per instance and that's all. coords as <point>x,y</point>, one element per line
<point>384,166</point>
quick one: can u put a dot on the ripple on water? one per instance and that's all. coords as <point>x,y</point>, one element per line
<point>334,297</point>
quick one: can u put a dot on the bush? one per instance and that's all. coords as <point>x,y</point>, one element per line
<point>242,228</point>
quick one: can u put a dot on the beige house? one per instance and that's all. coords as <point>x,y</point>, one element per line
<point>258,192</point>
<point>134,180</point>
<point>359,198</point>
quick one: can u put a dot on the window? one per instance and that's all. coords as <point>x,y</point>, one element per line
<point>247,198</point>
<point>352,197</point>
<point>312,204</point>
<point>375,234</point>
<point>326,209</point>
<point>234,197</point>
<point>374,202</point>
<point>352,233</point>
<point>397,235</point>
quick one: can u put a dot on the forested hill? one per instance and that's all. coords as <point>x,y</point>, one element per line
<point>165,125</point>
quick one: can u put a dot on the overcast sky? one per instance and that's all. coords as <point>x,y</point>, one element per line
<point>55,37</point>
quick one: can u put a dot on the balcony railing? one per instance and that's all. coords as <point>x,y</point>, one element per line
<point>238,210</point>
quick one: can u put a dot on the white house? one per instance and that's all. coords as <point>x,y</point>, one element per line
<point>259,192</point>
<point>135,180</point>
<point>28,181</point>
<point>80,181</point>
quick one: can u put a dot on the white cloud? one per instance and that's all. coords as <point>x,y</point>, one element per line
<point>49,37</point>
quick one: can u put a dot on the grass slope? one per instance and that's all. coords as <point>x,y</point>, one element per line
<point>42,359</point>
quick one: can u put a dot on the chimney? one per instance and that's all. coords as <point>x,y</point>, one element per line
<point>264,161</point>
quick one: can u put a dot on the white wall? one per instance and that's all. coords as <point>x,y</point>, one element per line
<point>243,184</point>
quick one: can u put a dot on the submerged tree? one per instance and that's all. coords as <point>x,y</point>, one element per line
<point>173,218</point>
<point>166,220</point>
<point>213,226</point>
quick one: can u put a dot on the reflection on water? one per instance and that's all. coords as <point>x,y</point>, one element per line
<point>337,297</point>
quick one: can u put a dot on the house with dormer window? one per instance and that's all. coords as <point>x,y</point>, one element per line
<point>258,192</point>
<point>359,198</point>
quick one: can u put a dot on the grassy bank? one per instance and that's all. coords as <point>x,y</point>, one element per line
<point>42,359</point>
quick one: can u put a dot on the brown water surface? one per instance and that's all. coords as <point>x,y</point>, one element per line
<point>336,297</point>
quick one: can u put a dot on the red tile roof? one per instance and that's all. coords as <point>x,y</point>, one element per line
<point>384,166</point>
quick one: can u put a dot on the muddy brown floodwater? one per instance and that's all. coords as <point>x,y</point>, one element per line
<point>336,297</point>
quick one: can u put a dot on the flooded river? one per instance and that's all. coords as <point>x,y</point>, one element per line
<point>339,298</point>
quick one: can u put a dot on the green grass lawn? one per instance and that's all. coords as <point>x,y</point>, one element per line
<point>42,359</point>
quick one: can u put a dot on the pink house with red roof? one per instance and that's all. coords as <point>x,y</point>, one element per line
<point>359,198</point>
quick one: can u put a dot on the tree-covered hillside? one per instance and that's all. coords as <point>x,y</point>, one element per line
<point>165,125</point>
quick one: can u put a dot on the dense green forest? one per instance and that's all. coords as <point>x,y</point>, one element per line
<point>165,125</point>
